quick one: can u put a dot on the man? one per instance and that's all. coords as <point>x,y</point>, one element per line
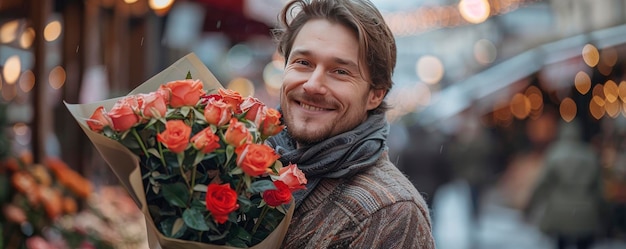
<point>340,56</point>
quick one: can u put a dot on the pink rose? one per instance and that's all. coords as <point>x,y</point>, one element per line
<point>123,115</point>
<point>293,177</point>
<point>206,141</point>
<point>184,92</point>
<point>153,105</point>
<point>254,109</point>
<point>98,120</point>
<point>217,112</point>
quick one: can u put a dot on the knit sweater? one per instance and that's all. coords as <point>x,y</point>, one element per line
<point>377,208</point>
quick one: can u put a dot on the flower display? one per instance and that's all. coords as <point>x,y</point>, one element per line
<point>206,174</point>
<point>41,205</point>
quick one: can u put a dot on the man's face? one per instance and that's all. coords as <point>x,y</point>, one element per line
<point>324,92</point>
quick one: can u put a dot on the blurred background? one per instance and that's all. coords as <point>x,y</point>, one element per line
<point>482,92</point>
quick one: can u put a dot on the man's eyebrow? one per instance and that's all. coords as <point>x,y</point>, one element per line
<point>341,61</point>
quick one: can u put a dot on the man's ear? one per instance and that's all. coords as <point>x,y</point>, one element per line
<point>374,98</point>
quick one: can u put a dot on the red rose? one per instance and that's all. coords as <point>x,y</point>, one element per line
<point>255,159</point>
<point>280,195</point>
<point>221,200</point>
<point>293,177</point>
<point>206,141</point>
<point>184,92</point>
<point>175,136</point>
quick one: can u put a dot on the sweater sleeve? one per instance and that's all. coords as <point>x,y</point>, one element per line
<point>400,225</point>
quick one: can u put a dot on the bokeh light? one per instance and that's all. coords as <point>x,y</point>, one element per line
<point>52,31</point>
<point>57,77</point>
<point>520,106</point>
<point>591,56</point>
<point>27,38</point>
<point>611,91</point>
<point>621,89</point>
<point>27,81</point>
<point>485,52</point>
<point>474,11</point>
<point>582,82</point>
<point>242,85</point>
<point>568,109</point>
<point>8,31</point>
<point>12,69</point>
<point>430,69</point>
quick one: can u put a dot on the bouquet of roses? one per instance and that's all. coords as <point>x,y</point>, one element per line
<point>198,164</point>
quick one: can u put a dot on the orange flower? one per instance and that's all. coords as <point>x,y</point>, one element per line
<point>124,114</point>
<point>271,123</point>
<point>14,213</point>
<point>293,177</point>
<point>237,133</point>
<point>153,105</point>
<point>280,195</point>
<point>98,120</point>
<point>206,141</point>
<point>232,98</point>
<point>255,159</point>
<point>52,201</point>
<point>69,178</point>
<point>69,205</point>
<point>217,112</point>
<point>23,181</point>
<point>175,136</point>
<point>184,92</point>
<point>221,200</point>
<point>254,109</point>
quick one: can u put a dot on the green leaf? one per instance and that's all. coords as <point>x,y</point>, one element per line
<point>244,203</point>
<point>176,194</point>
<point>260,186</point>
<point>193,218</point>
<point>243,234</point>
<point>185,110</point>
<point>230,151</point>
<point>200,188</point>
<point>199,157</point>
<point>188,77</point>
<point>154,152</point>
<point>236,171</point>
<point>173,228</point>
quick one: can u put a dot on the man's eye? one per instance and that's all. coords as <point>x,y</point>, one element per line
<point>341,71</point>
<point>302,62</point>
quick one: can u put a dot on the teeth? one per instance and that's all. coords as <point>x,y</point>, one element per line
<point>310,108</point>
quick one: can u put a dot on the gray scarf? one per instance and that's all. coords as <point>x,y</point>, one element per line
<point>337,157</point>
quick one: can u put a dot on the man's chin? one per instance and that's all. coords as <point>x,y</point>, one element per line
<point>303,137</point>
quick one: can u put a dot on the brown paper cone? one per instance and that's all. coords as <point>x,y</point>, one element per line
<point>125,164</point>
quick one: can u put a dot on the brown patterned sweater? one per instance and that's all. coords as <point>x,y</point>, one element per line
<point>377,208</point>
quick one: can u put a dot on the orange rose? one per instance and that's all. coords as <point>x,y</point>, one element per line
<point>206,141</point>
<point>123,115</point>
<point>23,181</point>
<point>184,92</point>
<point>293,177</point>
<point>153,105</point>
<point>280,195</point>
<point>221,200</point>
<point>232,98</point>
<point>255,159</point>
<point>254,109</point>
<point>271,123</point>
<point>98,120</point>
<point>175,136</point>
<point>217,112</point>
<point>52,201</point>
<point>237,133</point>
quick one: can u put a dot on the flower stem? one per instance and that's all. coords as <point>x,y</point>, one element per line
<point>258,222</point>
<point>167,171</point>
<point>140,142</point>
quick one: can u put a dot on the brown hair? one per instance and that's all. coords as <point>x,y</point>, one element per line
<point>377,47</point>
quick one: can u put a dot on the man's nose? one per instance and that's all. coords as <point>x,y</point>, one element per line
<point>316,84</point>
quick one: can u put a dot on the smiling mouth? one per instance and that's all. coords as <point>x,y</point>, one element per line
<point>312,108</point>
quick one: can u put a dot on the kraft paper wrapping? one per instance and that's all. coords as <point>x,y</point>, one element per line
<point>125,164</point>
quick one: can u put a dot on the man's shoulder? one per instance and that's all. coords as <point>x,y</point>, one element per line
<point>381,186</point>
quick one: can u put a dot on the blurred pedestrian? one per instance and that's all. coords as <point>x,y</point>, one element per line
<point>568,191</point>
